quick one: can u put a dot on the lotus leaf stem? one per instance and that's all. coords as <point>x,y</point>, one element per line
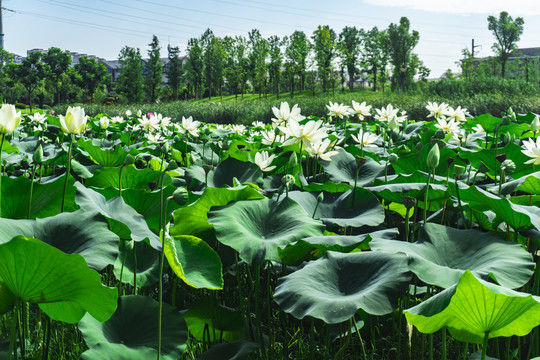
<point>485,344</point>
<point>67,173</point>
<point>2,137</point>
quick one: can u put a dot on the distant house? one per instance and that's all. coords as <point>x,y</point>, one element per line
<point>523,63</point>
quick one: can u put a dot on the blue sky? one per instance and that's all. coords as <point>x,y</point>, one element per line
<point>103,27</point>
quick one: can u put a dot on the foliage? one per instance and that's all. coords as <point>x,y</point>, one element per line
<point>90,75</point>
<point>507,32</point>
<point>130,81</point>
<point>400,46</point>
<point>153,69</point>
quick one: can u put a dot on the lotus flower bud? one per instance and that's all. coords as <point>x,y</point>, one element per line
<point>392,158</point>
<point>128,113</point>
<point>320,197</point>
<point>535,125</point>
<point>508,138</point>
<point>433,157</point>
<point>165,148</point>
<point>37,158</point>
<point>9,119</point>
<point>236,182</point>
<point>180,196</point>
<point>293,160</point>
<point>75,120</point>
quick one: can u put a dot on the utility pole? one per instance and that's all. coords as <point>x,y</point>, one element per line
<point>472,47</point>
<point>1,27</point>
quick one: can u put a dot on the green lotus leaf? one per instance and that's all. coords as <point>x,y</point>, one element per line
<point>223,174</point>
<point>326,186</point>
<point>316,246</point>
<point>46,197</point>
<point>529,184</point>
<point>221,322</point>
<point>123,219</point>
<point>7,299</point>
<point>417,161</point>
<point>193,219</point>
<point>144,268</point>
<point>334,287</point>
<point>474,307</point>
<point>106,157</point>
<point>146,203</point>
<point>339,208</point>
<point>81,232</point>
<point>478,356</point>
<point>133,329</point>
<point>488,122</point>
<point>236,350</point>
<point>132,178</point>
<point>194,261</point>
<point>256,228</point>
<point>343,169</point>
<point>519,217</point>
<point>61,284</point>
<point>512,151</point>
<point>442,254</point>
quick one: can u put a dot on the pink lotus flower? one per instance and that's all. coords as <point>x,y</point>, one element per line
<point>51,112</point>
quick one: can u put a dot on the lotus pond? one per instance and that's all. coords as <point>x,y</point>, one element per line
<point>363,235</point>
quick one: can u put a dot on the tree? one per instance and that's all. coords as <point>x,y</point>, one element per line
<point>153,70</point>
<point>466,64</point>
<point>507,32</point>
<point>194,67</point>
<point>174,71</point>
<point>297,50</point>
<point>257,59</point>
<point>29,73</point>
<point>90,74</point>
<point>324,40</point>
<point>400,46</point>
<point>213,58</point>
<point>130,80</point>
<point>375,55</point>
<point>274,67</point>
<point>5,75</point>
<point>56,64</point>
<point>350,40</point>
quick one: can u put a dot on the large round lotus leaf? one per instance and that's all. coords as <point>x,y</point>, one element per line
<point>362,209</point>
<point>442,254</point>
<point>123,219</point>
<point>132,178</point>
<point>473,307</point>
<point>316,246</point>
<point>62,285</point>
<point>133,330</point>
<point>236,350</point>
<point>222,322</point>
<point>106,157</point>
<point>343,168</point>
<point>80,232</point>
<point>256,228</point>
<point>334,287</point>
<point>46,197</point>
<point>193,219</point>
<point>224,173</point>
<point>7,299</point>
<point>144,267</point>
<point>194,261</point>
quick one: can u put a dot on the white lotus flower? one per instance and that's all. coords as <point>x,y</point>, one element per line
<point>284,114</point>
<point>457,114</point>
<point>361,110</point>
<point>38,118</point>
<point>149,124</point>
<point>306,134</point>
<point>264,161</point>
<point>366,138</point>
<point>478,129</point>
<point>386,114</point>
<point>238,129</point>
<point>154,138</point>
<point>535,124</point>
<point>320,150</point>
<point>104,122</point>
<point>189,126</point>
<point>258,124</point>
<point>339,110</point>
<point>128,113</point>
<point>117,119</point>
<point>270,137</point>
<point>532,151</point>
<point>437,111</point>
<point>449,127</point>
<point>75,120</point>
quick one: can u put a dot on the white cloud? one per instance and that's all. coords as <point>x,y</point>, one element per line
<point>466,7</point>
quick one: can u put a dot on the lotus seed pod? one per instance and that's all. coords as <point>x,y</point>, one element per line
<point>128,160</point>
<point>392,158</point>
<point>439,134</point>
<point>180,196</point>
<point>287,181</point>
<point>508,166</point>
<point>207,168</point>
<point>501,157</point>
<point>458,171</point>
<point>409,202</point>
<point>37,158</point>
<point>482,167</point>
<point>360,160</point>
<point>433,157</point>
<point>172,166</point>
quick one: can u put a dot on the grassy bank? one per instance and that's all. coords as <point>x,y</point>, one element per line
<point>252,108</point>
